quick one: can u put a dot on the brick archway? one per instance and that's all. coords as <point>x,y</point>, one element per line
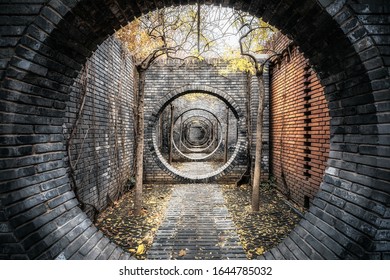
<point>176,93</point>
<point>350,215</point>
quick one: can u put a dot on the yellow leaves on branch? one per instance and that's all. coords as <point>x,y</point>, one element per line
<point>138,40</point>
<point>182,32</point>
<point>241,64</point>
<point>168,32</point>
<point>237,63</point>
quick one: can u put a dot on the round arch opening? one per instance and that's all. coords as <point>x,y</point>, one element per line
<point>196,134</point>
<point>330,229</point>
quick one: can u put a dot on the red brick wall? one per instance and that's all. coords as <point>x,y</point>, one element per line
<point>299,125</point>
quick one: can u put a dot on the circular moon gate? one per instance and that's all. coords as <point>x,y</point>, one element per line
<point>196,132</point>
<point>206,149</point>
<point>196,135</point>
<point>348,217</point>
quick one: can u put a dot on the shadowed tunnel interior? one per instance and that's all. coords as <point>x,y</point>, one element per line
<point>45,48</point>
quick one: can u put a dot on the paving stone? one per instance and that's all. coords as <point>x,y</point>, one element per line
<point>201,221</point>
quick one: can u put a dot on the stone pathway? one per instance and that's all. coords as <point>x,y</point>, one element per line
<point>195,168</point>
<point>197,225</point>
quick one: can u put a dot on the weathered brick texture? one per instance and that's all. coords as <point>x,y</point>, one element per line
<point>168,81</point>
<point>99,126</point>
<point>15,16</point>
<point>300,124</point>
<point>45,44</point>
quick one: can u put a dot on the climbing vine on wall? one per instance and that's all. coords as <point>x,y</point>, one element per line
<point>99,129</point>
<point>74,157</point>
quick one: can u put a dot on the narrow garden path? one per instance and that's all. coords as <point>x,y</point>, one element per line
<point>197,225</point>
<point>198,221</point>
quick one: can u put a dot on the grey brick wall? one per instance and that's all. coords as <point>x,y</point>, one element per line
<point>167,81</point>
<point>102,145</point>
<point>15,16</point>
<point>346,42</point>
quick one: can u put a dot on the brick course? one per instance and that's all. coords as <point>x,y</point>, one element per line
<point>167,81</point>
<point>346,43</point>
<point>300,124</point>
<point>103,143</point>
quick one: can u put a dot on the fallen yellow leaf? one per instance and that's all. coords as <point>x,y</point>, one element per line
<point>260,251</point>
<point>141,249</point>
<point>182,253</point>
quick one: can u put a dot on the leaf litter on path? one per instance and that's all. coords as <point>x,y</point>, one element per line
<point>261,231</point>
<point>258,232</point>
<point>133,233</point>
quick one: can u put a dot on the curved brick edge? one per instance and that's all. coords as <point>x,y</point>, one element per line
<point>170,96</point>
<point>204,148</point>
<point>349,217</point>
<point>153,122</point>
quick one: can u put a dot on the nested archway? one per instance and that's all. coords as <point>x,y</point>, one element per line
<point>211,143</point>
<point>197,132</point>
<point>348,217</point>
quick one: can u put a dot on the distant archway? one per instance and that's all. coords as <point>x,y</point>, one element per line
<point>213,172</point>
<point>348,218</point>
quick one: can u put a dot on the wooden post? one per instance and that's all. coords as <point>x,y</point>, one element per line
<point>227,134</point>
<point>171,136</point>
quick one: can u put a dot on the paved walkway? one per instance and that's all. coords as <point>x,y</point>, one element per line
<point>197,225</point>
<point>194,168</point>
